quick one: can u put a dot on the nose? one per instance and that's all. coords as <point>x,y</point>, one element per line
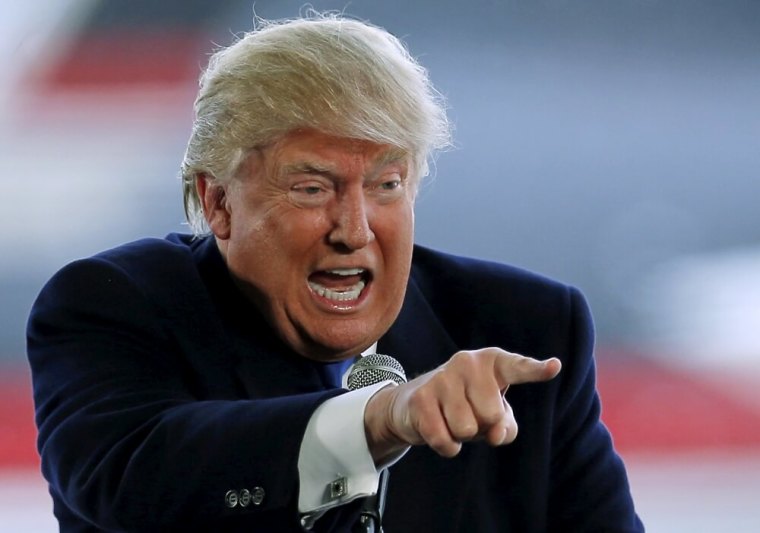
<point>351,228</point>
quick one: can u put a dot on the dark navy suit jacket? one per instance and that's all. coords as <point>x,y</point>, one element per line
<point>158,389</point>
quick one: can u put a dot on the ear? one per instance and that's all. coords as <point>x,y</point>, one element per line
<point>213,196</point>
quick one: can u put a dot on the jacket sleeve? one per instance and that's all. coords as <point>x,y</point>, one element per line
<point>125,443</point>
<point>590,489</point>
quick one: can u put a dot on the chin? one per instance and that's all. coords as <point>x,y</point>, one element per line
<point>337,337</point>
<point>332,349</point>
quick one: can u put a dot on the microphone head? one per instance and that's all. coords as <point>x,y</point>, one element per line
<point>374,368</point>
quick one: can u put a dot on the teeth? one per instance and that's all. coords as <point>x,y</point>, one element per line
<point>346,271</point>
<point>351,293</point>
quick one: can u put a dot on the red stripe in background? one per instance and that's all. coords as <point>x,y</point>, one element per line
<point>120,59</point>
<point>653,407</point>
<point>142,80</point>
<point>17,430</point>
<point>648,406</point>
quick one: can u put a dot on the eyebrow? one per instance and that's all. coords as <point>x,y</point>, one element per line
<point>388,157</point>
<point>304,167</point>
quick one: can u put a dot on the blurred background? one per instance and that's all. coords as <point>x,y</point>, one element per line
<point>612,145</point>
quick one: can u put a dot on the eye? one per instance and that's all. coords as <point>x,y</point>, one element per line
<point>389,182</point>
<point>310,189</point>
<point>391,185</point>
<point>310,193</point>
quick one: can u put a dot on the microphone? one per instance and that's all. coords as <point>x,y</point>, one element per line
<point>374,368</point>
<point>369,370</point>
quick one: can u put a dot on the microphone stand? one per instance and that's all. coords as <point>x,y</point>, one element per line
<point>368,370</point>
<point>370,517</point>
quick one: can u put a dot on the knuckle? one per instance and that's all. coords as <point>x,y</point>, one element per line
<point>465,431</point>
<point>428,434</point>
<point>525,362</point>
<point>463,359</point>
<point>492,416</point>
<point>450,451</point>
<point>438,439</point>
<point>420,400</point>
<point>440,443</point>
<point>447,448</point>
<point>441,384</point>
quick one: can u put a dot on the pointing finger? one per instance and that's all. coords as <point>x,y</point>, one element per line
<point>512,369</point>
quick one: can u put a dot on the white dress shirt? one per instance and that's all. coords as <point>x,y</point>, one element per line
<point>334,464</point>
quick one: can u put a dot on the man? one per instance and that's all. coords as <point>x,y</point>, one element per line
<point>184,384</point>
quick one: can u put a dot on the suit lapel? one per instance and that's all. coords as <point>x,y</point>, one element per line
<point>260,363</point>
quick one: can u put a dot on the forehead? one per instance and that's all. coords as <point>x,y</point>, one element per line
<point>314,147</point>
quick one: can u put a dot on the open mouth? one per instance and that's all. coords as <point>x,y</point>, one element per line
<point>339,285</point>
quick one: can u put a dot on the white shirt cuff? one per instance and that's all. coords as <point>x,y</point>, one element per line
<point>334,464</point>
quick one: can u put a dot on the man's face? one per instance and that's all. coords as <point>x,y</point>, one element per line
<point>318,231</point>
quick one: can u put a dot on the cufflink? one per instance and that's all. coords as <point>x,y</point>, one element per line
<point>338,488</point>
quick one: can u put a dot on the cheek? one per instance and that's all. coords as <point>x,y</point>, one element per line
<point>397,236</point>
<point>299,231</point>
<point>403,223</point>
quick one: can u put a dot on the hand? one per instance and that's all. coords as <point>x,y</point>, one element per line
<point>461,400</point>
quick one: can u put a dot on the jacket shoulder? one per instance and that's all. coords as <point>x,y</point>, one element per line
<point>141,260</point>
<point>470,281</point>
<point>149,253</point>
<point>141,269</point>
<point>487,303</point>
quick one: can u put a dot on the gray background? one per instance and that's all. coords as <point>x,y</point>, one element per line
<point>595,140</point>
